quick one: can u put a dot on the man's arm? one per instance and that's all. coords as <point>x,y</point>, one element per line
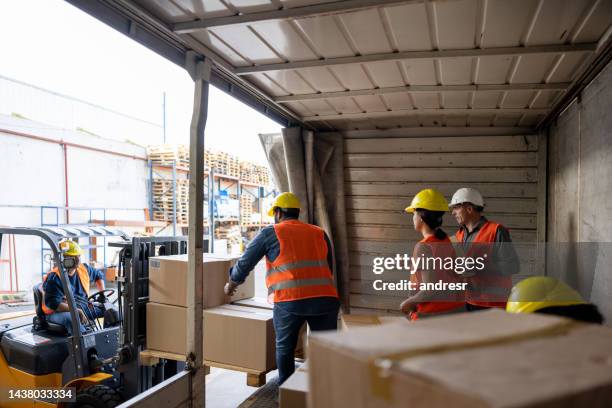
<point>427,276</point>
<point>97,276</point>
<point>506,259</point>
<point>253,254</point>
<point>54,296</point>
<point>54,293</point>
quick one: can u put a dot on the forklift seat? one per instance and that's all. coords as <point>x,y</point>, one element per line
<point>40,320</point>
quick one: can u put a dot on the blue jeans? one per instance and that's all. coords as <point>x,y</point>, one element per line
<point>63,318</point>
<point>287,324</point>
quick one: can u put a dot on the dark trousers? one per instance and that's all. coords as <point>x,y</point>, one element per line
<point>287,326</point>
<point>63,318</point>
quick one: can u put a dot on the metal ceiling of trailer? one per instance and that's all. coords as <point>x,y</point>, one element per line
<point>365,64</point>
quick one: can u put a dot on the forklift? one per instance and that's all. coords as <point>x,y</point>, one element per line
<point>42,366</point>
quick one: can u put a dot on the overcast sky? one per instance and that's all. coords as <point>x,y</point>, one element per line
<point>51,44</point>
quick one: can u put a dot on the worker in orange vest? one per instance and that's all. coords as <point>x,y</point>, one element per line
<point>427,209</point>
<point>299,263</point>
<point>79,277</point>
<point>478,237</point>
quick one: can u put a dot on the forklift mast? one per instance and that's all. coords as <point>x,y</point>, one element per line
<point>133,295</point>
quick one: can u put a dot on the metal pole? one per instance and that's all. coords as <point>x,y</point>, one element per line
<point>65,149</point>
<point>200,72</point>
<point>150,189</point>
<point>174,198</point>
<point>164,115</point>
<point>211,213</point>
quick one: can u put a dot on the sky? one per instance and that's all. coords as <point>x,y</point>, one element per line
<point>51,44</point>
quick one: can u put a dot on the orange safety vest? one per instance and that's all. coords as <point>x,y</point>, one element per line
<point>440,248</point>
<point>300,270</point>
<point>489,289</point>
<point>83,277</point>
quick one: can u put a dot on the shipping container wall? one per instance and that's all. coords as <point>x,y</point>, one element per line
<point>580,193</point>
<point>382,175</point>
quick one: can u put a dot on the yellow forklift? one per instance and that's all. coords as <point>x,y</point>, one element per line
<point>41,366</point>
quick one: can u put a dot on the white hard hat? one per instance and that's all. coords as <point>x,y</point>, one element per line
<point>467,195</point>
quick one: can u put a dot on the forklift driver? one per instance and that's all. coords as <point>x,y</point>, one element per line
<point>79,276</point>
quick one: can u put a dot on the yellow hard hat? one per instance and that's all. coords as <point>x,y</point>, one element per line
<point>428,199</point>
<point>284,200</point>
<point>70,248</point>
<point>538,292</point>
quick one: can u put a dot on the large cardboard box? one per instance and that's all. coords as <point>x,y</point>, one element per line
<point>240,336</point>
<point>167,328</point>
<point>168,280</point>
<point>259,302</point>
<point>351,321</point>
<point>262,303</point>
<point>247,289</point>
<point>293,393</point>
<point>477,360</point>
<point>234,335</point>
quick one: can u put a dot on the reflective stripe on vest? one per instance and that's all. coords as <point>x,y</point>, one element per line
<point>440,248</point>
<point>297,265</point>
<point>83,278</point>
<point>490,289</point>
<point>299,283</point>
<point>300,270</point>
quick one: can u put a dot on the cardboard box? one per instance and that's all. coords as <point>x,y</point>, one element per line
<point>240,336</point>
<point>233,335</point>
<point>259,302</point>
<point>293,393</point>
<point>262,303</point>
<point>168,280</point>
<point>167,328</point>
<point>351,321</point>
<point>486,359</point>
<point>247,289</point>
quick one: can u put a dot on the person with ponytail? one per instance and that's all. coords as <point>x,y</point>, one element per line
<point>435,250</point>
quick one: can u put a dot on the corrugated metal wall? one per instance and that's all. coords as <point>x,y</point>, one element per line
<point>382,176</point>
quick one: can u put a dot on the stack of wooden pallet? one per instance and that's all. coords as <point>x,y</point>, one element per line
<point>248,172</point>
<point>247,212</point>
<point>224,164</point>
<point>229,232</point>
<point>166,154</point>
<point>254,173</point>
<point>164,200</point>
<point>263,174</point>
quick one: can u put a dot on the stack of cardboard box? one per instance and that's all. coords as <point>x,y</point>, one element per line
<point>486,359</point>
<point>293,393</point>
<point>240,336</point>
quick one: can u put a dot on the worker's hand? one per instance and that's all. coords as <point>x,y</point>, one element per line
<point>82,316</point>
<point>230,288</point>
<point>408,307</point>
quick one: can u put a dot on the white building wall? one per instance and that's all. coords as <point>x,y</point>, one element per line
<point>32,175</point>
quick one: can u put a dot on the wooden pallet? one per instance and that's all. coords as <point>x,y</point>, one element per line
<point>255,378</point>
<point>166,155</point>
